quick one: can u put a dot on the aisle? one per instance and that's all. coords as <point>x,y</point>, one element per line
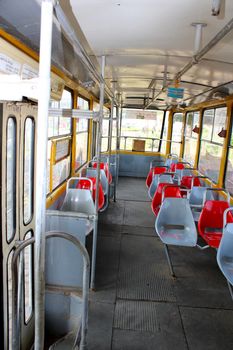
<point>137,304</point>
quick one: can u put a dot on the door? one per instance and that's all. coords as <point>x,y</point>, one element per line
<point>17,137</point>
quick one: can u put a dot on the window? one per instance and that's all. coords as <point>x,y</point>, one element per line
<point>28,180</point>
<point>11,179</point>
<point>164,136</point>
<point>59,130</point>
<point>177,126</point>
<point>229,169</point>
<point>211,144</point>
<point>105,131</point>
<point>81,136</point>
<point>140,124</point>
<point>190,136</point>
<point>28,276</point>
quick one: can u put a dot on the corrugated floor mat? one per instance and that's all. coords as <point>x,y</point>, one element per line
<point>143,282</point>
<point>136,316</point>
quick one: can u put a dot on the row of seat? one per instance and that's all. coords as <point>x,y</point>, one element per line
<point>81,191</point>
<point>179,198</point>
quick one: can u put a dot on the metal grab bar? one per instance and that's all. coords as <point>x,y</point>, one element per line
<point>153,139</point>
<point>86,273</point>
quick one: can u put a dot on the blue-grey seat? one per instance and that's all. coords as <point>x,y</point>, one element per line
<point>78,201</point>
<point>155,163</point>
<point>196,200</point>
<point>92,172</point>
<point>158,178</point>
<point>170,161</point>
<point>175,224</point>
<point>225,250</point>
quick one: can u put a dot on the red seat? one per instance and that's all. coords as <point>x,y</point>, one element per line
<point>152,172</point>
<point>104,166</point>
<point>176,166</point>
<point>186,181</point>
<point>169,191</point>
<point>210,223</point>
<point>85,184</point>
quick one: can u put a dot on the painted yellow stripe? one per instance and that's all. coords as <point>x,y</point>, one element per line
<point>225,145</point>
<point>55,195</point>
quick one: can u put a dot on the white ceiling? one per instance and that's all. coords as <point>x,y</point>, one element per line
<point>140,36</point>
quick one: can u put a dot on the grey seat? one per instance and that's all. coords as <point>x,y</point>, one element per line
<point>158,178</point>
<point>196,200</point>
<point>79,201</point>
<point>175,224</point>
<point>155,163</point>
<point>225,250</point>
<point>92,172</point>
<point>172,158</point>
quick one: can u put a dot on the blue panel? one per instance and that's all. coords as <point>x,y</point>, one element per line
<point>136,165</point>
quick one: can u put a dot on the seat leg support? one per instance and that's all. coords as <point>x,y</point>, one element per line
<point>169,260</point>
<point>230,289</point>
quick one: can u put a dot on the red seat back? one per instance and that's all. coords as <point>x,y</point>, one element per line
<point>172,191</point>
<point>210,223</point>
<point>85,184</point>
<point>152,172</point>
<point>104,166</point>
<point>169,191</point>
<point>176,166</point>
<point>186,181</point>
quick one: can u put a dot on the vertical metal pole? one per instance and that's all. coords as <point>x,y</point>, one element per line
<point>110,135</point>
<point>41,164</point>
<point>169,260</point>
<point>98,154</point>
<point>117,140</point>
<point>198,36</point>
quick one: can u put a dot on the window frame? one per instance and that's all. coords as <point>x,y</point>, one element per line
<point>56,138</point>
<point>180,142</point>
<point>191,137</point>
<point>210,141</point>
<point>87,131</point>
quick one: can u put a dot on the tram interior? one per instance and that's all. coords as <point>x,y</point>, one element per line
<point>116,174</point>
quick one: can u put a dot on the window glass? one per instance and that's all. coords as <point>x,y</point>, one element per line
<point>28,275</point>
<point>189,124</point>
<point>207,127</point>
<point>58,127</point>
<point>229,172</point>
<point>190,140</point>
<point>28,169</point>
<point>81,149</point>
<point>48,165</point>
<point>190,150</point>
<point>11,179</point>
<point>83,104</point>
<point>177,127</point>
<point>64,126</point>
<point>210,159</point>
<point>105,130</point>
<point>211,143</point>
<point>164,136</point>
<point>196,123</point>
<point>140,124</point>
<point>81,125</point>
<point>61,172</point>
<point>219,124</point>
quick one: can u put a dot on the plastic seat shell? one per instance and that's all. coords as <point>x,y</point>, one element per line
<point>174,224</point>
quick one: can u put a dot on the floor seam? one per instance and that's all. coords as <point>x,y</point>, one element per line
<point>118,270</point>
<point>183,329</point>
